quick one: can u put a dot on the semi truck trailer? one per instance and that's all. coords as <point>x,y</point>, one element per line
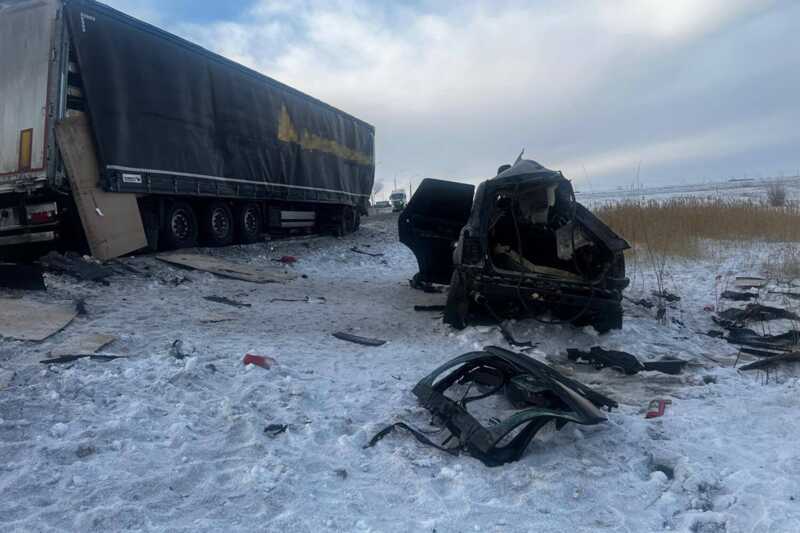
<point>213,152</point>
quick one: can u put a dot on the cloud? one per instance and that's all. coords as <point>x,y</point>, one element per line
<point>455,89</point>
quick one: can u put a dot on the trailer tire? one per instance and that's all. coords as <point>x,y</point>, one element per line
<point>456,309</point>
<point>180,226</point>
<point>248,223</point>
<point>217,224</point>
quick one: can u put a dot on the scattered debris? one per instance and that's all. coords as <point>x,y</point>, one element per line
<point>747,282</point>
<point>737,296</point>
<point>176,350</point>
<point>371,254</point>
<point>27,320</point>
<point>226,301</point>
<point>217,319</point>
<point>788,294</point>
<point>666,296</point>
<point>76,266</point>
<point>286,260</point>
<point>83,344</point>
<point>642,302</point>
<point>715,333</point>
<point>226,269</point>
<point>358,340</point>
<point>657,408</point>
<point>793,357</point>
<point>424,286</point>
<point>103,358</point>
<point>539,392</point>
<point>341,473</point>
<point>273,430</point>
<point>428,308</point>
<point>22,277</point>
<point>624,362</point>
<point>80,306</point>
<point>757,313</point>
<point>264,361</point>
<point>307,299</point>
<point>85,450</point>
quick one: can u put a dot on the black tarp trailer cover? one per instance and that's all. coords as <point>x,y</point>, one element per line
<point>170,117</point>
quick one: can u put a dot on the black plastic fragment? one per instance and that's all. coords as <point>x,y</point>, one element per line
<point>21,276</point>
<point>358,340</point>
<point>738,296</point>
<point>624,362</point>
<point>70,358</point>
<point>76,266</point>
<point>226,301</point>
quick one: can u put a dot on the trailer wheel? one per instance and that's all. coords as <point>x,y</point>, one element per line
<point>248,223</point>
<point>180,226</point>
<point>218,224</point>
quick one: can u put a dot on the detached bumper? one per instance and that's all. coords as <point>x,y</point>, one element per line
<point>545,292</point>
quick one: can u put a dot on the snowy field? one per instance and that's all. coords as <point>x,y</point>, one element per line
<point>743,189</point>
<point>152,442</point>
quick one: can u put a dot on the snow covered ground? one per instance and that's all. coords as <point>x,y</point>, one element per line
<point>152,442</point>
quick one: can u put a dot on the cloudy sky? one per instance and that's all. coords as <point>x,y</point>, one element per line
<point>691,90</point>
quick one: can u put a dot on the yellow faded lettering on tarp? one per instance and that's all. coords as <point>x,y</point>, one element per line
<point>310,141</point>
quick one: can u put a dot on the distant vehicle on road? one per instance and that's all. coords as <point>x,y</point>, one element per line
<point>398,200</point>
<point>383,204</point>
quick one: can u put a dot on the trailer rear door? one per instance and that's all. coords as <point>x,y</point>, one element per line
<point>26,41</point>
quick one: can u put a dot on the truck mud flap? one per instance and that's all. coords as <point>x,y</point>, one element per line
<point>431,223</point>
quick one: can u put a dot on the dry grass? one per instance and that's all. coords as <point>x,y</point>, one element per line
<point>678,227</point>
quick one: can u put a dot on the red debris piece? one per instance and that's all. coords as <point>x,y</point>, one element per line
<point>657,408</point>
<point>708,308</point>
<point>287,259</point>
<point>264,361</point>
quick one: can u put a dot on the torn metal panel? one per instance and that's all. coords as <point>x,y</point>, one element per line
<point>537,392</point>
<point>624,362</point>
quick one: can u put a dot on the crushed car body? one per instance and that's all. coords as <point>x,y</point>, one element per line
<point>520,246</point>
<point>504,383</point>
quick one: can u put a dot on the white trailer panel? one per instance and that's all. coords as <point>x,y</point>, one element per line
<point>26,48</point>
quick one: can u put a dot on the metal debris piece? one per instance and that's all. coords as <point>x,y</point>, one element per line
<point>767,362</point>
<point>428,308</point>
<point>273,430</point>
<point>371,254</point>
<point>103,358</point>
<point>176,350</point>
<point>750,282</point>
<point>756,313</point>
<point>226,301</point>
<point>539,394</point>
<point>358,340</point>
<point>624,362</point>
<point>738,296</point>
<point>667,296</point>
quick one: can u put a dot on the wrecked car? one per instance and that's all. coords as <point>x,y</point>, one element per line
<point>468,394</point>
<point>519,245</point>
